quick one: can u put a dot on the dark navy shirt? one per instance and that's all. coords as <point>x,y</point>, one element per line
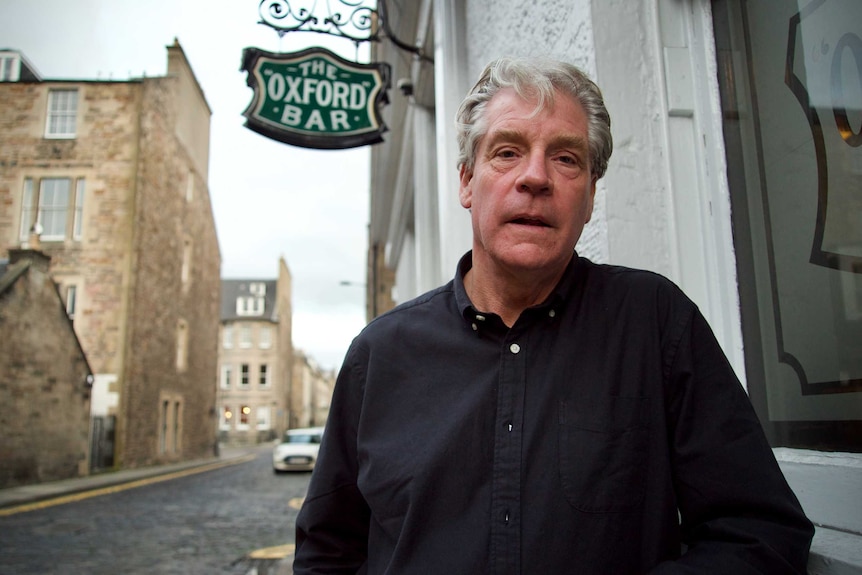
<point>604,432</point>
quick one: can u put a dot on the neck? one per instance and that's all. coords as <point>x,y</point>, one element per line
<point>508,293</point>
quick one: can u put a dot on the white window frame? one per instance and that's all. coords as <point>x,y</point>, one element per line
<point>250,305</point>
<point>29,212</point>
<point>71,300</point>
<point>61,121</point>
<point>245,339</point>
<point>56,221</point>
<point>182,345</point>
<point>54,216</point>
<point>264,375</point>
<point>225,418</point>
<point>244,375</point>
<point>78,210</point>
<point>239,417</point>
<point>227,337</point>
<point>226,376</point>
<point>263,417</point>
<point>265,337</point>
<point>10,67</point>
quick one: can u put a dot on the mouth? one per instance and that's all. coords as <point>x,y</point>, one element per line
<point>530,221</point>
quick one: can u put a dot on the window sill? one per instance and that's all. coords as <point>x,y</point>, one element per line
<point>829,487</point>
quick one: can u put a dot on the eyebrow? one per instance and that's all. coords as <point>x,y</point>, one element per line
<point>562,142</point>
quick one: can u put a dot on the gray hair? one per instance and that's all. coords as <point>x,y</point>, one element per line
<point>534,78</point>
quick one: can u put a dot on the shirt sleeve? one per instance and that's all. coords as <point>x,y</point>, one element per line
<point>332,526</point>
<point>737,512</point>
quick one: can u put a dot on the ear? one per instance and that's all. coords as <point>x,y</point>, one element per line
<point>593,181</point>
<point>465,191</point>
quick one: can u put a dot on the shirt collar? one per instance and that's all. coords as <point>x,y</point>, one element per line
<point>557,298</point>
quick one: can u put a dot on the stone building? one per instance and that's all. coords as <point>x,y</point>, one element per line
<point>255,355</point>
<point>112,177</point>
<point>311,392</point>
<point>45,380</point>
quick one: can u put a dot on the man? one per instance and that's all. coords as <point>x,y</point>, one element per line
<point>541,414</point>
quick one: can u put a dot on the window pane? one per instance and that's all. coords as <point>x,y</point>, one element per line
<point>792,109</point>
<point>79,210</point>
<point>71,300</point>
<point>62,113</point>
<point>53,206</point>
<point>28,211</point>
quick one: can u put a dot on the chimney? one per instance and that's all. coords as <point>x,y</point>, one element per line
<point>38,260</point>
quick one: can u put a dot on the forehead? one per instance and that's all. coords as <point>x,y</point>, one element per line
<point>508,111</point>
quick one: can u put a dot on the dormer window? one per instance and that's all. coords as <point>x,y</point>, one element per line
<point>10,67</point>
<point>249,305</point>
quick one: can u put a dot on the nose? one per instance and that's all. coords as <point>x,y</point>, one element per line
<point>535,177</point>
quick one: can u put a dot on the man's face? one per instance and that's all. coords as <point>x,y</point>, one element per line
<point>530,190</point>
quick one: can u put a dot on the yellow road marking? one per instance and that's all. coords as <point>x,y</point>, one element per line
<point>277,552</point>
<point>121,487</point>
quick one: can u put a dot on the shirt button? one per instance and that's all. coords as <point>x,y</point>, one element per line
<point>514,348</point>
<point>552,313</point>
<point>475,327</point>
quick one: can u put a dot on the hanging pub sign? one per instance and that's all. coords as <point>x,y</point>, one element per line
<point>315,99</point>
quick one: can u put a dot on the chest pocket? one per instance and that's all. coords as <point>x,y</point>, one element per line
<point>603,453</point>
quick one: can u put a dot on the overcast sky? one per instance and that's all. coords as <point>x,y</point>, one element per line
<point>270,199</point>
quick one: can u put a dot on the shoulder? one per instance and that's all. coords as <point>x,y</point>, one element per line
<point>626,281</point>
<point>431,310</point>
<point>634,293</point>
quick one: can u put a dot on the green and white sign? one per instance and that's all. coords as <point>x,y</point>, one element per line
<point>315,99</point>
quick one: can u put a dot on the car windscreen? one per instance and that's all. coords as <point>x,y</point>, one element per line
<point>302,439</point>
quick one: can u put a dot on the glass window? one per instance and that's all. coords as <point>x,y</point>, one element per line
<point>250,305</point>
<point>8,68</point>
<point>245,336</point>
<point>185,271</point>
<point>78,223</point>
<point>265,337</point>
<point>28,211</point>
<point>182,345</point>
<point>264,375</point>
<point>53,211</point>
<point>71,300</point>
<point>263,417</point>
<point>226,376</point>
<point>226,417</point>
<point>53,207</point>
<point>244,412</point>
<point>62,114</point>
<point>244,376</point>
<point>227,337</point>
<point>791,90</point>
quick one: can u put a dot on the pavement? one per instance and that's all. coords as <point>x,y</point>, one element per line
<point>266,561</point>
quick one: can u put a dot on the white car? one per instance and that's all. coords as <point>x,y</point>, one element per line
<point>298,450</point>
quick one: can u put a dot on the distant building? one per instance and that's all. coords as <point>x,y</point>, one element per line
<point>111,176</point>
<point>45,380</point>
<point>255,358</point>
<point>311,393</point>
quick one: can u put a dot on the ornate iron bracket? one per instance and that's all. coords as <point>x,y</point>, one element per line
<point>350,19</point>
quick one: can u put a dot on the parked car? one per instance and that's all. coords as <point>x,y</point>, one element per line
<point>297,450</point>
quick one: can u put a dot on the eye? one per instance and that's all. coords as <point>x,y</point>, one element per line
<point>506,153</point>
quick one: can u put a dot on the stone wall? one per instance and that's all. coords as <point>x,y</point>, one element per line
<point>45,420</point>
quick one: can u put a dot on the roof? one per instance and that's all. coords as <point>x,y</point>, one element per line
<point>28,72</point>
<point>14,272</point>
<point>237,288</point>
